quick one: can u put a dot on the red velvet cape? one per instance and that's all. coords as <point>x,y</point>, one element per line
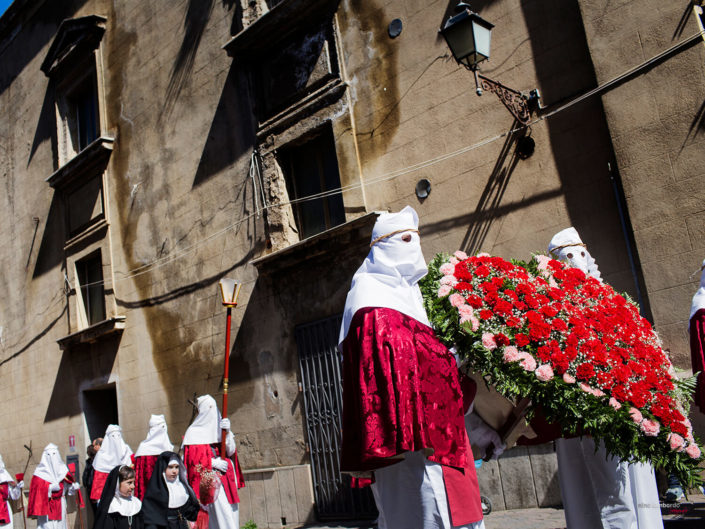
<point>697,355</point>
<point>195,455</point>
<point>144,465</point>
<point>4,496</point>
<point>99,479</point>
<point>39,502</point>
<point>401,392</point>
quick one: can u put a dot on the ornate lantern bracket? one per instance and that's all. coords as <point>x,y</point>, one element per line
<point>518,103</point>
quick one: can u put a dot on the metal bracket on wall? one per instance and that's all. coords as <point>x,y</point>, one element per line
<point>518,103</point>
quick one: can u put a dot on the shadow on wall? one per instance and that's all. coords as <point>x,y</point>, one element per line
<point>232,132</point>
<point>580,139</point>
<point>198,13</point>
<point>81,367</point>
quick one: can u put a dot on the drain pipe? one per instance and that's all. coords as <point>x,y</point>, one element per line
<point>619,198</point>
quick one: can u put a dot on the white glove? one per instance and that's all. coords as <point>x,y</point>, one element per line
<point>20,485</point>
<point>219,464</point>
<point>483,436</point>
<point>225,424</point>
<point>54,487</point>
<point>75,485</point>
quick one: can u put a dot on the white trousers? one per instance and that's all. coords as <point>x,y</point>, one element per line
<point>601,491</point>
<point>411,494</point>
<point>223,515</point>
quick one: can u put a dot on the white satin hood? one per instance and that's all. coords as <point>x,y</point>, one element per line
<point>699,297</point>
<point>205,428</point>
<point>113,452</point>
<point>157,440</point>
<point>51,467</point>
<point>389,275</point>
<point>567,246</point>
<point>5,476</point>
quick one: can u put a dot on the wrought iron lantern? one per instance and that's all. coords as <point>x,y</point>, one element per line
<point>468,36</point>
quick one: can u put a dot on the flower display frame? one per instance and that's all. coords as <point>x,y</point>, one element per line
<point>578,349</point>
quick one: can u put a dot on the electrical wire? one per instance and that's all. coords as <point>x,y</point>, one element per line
<point>157,263</point>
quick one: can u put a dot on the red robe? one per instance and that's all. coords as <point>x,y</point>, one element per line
<point>195,455</point>
<point>697,355</point>
<point>144,465</point>
<point>39,502</point>
<point>4,511</point>
<point>401,392</point>
<point>99,479</point>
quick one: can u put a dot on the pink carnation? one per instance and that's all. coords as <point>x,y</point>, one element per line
<point>544,373</point>
<point>511,354</point>
<point>483,254</point>
<point>586,388</point>
<point>447,269</point>
<point>598,392</point>
<point>637,417</point>
<point>465,310</point>
<point>456,300</point>
<point>488,341</point>
<point>568,379</point>
<point>676,441</point>
<point>615,403</point>
<point>461,255</point>
<point>454,261</point>
<point>542,261</point>
<point>650,428</point>
<point>528,362</point>
<point>475,323</point>
<point>693,451</point>
<point>444,291</point>
<point>552,282</point>
<point>449,280</point>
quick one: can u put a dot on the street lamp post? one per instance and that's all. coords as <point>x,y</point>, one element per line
<point>229,291</point>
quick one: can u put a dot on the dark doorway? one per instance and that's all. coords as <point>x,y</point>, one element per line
<point>100,409</point>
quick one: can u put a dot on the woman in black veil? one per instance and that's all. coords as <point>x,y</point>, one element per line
<point>118,508</point>
<point>169,502</point>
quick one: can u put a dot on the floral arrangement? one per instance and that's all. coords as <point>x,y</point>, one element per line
<point>579,350</point>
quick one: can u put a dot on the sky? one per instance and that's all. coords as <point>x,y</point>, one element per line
<point>3,5</point>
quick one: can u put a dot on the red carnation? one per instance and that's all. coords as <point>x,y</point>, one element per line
<point>521,339</point>
<point>585,371</point>
<point>501,339</point>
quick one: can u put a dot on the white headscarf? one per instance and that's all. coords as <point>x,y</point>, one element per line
<point>699,297</point>
<point>389,275</point>
<point>51,467</point>
<point>157,440</point>
<point>5,476</point>
<point>567,246</point>
<point>125,506</point>
<point>178,495</point>
<point>205,428</point>
<point>113,452</point>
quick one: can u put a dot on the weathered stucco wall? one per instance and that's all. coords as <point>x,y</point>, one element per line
<point>181,209</point>
<point>656,121</point>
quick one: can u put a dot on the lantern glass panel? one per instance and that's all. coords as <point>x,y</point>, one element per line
<point>482,36</point>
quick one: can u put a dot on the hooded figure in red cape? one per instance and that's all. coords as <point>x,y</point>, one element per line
<point>113,452</point>
<point>50,484</point>
<point>203,462</point>
<point>9,490</point>
<point>697,340</point>
<point>402,401</point>
<point>157,441</point>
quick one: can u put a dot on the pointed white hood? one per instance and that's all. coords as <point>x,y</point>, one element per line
<point>51,467</point>
<point>205,428</point>
<point>113,452</point>
<point>157,440</point>
<point>389,275</point>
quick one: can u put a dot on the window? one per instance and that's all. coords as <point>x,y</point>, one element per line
<point>311,168</point>
<point>77,106</point>
<point>91,297</point>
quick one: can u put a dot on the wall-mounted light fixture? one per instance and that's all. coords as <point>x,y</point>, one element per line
<point>468,36</point>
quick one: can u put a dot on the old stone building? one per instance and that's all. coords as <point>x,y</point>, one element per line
<point>148,149</point>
